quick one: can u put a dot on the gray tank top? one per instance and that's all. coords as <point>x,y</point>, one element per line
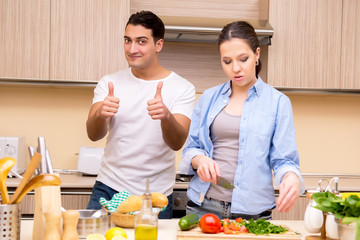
<point>224,133</point>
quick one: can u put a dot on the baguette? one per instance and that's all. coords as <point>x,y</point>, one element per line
<point>134,203</point>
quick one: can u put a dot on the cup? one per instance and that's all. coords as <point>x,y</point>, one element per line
<point>10,219</point>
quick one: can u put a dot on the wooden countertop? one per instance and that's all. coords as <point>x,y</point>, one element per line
<point>347,183</point>
<point>168,228</point>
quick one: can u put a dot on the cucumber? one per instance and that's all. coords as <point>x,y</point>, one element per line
<point>188,222</point>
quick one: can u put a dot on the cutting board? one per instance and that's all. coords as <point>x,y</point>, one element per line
<point>196,234</point>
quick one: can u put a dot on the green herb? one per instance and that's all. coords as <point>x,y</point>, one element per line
<point>347,209</point>
<point>261,226</point>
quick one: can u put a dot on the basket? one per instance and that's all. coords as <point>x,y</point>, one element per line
<point>123,220</point>
<point>10,219</point>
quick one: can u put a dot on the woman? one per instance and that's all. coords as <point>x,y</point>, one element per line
<point>243,131</point>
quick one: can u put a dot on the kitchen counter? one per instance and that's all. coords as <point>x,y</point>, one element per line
<point>347,183</point>
<point>168,229</point>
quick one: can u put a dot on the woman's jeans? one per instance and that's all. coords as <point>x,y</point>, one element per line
<point>221,209</point>
<point>102,190</point>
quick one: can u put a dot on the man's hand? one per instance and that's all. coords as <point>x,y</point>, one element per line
<point>289,190</point>
<point>207,168</point>
<point>156,107</point>
<point>110,105</point>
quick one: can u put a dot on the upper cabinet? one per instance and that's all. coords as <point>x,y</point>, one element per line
<point>306,46</point>
<point>24,39</point>
<point>87,38</point>
<point>350,55</point>
<point>316,44</point>
<point>62,40</point>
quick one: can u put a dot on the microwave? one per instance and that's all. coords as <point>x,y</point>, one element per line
<point>14,146</point>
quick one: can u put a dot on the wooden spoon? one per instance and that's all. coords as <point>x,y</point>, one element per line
<point>5,166</point>
<point>41,180</point>
<point>35,161</point>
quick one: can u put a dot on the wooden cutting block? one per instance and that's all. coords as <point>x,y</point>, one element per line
<point>197,234</point>
<point>47,199</point>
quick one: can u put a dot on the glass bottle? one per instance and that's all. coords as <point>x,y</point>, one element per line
<point>146,222</point>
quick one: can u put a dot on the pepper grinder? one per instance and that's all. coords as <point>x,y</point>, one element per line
<point>52,221</point>
<point>70,219</point>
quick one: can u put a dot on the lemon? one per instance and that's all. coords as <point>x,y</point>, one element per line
<point>95,236</point>
<point>115,231</point>
<point>118,237</point>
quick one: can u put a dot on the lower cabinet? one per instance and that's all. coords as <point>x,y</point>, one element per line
<point>296,213</point>
<point>79,200</point>
<point>69,200</point>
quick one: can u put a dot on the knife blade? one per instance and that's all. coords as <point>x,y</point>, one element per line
<point>224,183</point>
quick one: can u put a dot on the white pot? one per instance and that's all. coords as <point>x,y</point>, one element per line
<point>331,227</point>
<point>313,218</point>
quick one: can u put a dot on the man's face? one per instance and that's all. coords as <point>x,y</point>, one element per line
<point>140,49</point>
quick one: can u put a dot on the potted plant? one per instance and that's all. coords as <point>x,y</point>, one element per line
<point>346,211</point>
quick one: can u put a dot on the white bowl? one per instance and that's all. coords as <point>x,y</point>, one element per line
<point>346,231</point>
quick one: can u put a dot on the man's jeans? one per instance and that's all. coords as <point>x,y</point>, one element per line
<point>102,190</point>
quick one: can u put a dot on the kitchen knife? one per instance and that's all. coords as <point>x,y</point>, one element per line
<point>224,183</point>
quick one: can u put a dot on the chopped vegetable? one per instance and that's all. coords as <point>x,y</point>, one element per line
<point>261,226</point>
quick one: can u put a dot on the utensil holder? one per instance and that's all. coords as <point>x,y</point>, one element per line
<point>10,219</point>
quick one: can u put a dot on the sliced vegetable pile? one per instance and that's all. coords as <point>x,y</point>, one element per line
<point>259,226</point>
<point>210,223</point>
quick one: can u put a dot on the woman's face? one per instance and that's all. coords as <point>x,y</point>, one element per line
<point>239,62</point>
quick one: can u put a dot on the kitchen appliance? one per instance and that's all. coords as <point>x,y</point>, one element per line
<point>89,160</point>
<point>14,146</point>
<point>180,199</point>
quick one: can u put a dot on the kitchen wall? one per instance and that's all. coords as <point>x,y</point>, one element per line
<point>327,125</point>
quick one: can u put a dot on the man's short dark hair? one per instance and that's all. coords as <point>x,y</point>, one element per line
<point>150,21</point>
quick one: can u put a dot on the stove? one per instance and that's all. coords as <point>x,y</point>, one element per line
<point>180,198</point>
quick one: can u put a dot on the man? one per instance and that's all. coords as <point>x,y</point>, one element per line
<point>146,110</point>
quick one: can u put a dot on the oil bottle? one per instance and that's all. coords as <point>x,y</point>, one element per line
<point>146,222</point>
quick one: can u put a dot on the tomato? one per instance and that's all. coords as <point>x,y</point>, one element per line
<point>243,229</point>
<point>210,223</point>
<point>234,226</point>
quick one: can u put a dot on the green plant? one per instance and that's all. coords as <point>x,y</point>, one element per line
<point>348,209</point>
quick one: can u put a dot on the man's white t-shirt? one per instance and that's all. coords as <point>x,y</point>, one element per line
<point>135,150</point>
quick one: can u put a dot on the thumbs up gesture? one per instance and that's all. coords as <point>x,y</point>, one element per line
<point>156,107</point>
<point>110,104</point>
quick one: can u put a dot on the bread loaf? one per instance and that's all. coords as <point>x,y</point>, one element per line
<point>134,202</point>
<point>159,200</point>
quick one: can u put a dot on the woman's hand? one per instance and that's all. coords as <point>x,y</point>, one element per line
<point>289,190</point>
<point>207,169</point>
